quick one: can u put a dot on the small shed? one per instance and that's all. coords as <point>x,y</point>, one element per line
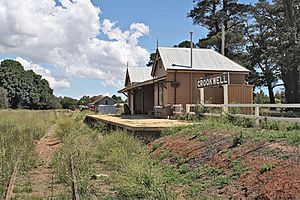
<point>105,100</point>
<point>105,105</point>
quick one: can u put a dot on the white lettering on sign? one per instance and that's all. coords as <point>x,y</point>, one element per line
<point>212,81</point>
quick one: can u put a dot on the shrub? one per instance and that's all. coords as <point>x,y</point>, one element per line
<point>267,167</point>
<point>200,110</point>
<point>237,140</point>
<point>184,168</point>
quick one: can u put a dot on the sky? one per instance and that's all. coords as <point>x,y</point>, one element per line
<point>82,47</point>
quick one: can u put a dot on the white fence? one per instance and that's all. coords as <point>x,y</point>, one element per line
<point>256,107</point>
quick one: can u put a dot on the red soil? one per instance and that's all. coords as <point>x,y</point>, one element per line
<point>280,181</point>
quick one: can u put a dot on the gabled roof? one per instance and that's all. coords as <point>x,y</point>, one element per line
<point>102,97</point>
<point>139,74</point>
<point>203,59</point>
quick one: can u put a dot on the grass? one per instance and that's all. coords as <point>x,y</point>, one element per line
<point>197,182</point>
<point>131,172</point>
<point>134,175</point>
<point>287,132</point>
<point>18,131</point>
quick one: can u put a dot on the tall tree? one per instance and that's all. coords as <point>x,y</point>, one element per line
<point>261,44</point>
<point>68,102</point>
<point>185,44</point>
<point>212,14</point>
<point>25,88</point>
<point>151,60</point>
<point>289,49</point>
<point>84,100</point>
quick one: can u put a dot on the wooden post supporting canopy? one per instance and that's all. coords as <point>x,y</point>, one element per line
<point>131,103</point>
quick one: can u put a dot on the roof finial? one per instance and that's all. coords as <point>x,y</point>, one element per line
<point>157,43</point>
<point>127,64</point>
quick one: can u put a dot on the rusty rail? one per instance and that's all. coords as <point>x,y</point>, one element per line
<point>75,193</point>
<point>12,180</point>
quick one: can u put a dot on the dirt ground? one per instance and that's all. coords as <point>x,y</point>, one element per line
<point>272,170</point>
<point>39,183</point>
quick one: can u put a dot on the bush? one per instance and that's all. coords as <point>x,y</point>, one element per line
<point>3,98</point>
<point>200,110</point>
<point>237,140</point>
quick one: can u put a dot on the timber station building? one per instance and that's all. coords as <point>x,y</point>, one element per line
<point>181,76</point>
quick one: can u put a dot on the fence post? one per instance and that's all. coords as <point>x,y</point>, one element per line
<point>224,110</point>
<point>256,115</point>
<point>188,108</point>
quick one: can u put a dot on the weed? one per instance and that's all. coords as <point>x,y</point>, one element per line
<point>238,168</point>
<point>203,138</point>
<point>222,180</point>
<point>237,140</point>
<point>199,111</point>
<point>171,130</point>
<point>25,187</point>
<point>184,168</point>
<point>163,155</point>
<point>156,146</point>
<point>267,167</point>
<point>195,190</point>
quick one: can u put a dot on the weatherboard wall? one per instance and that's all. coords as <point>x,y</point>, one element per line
<point>188,93</point>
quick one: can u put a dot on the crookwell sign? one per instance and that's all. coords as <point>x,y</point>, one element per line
<point>212,81</point>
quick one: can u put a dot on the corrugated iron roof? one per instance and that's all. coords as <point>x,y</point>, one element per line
<point>139,74</point>
<point>203,59</point>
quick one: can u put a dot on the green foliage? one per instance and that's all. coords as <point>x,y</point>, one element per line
<point>185,44</point>
<point>68,102</point>
<point>117,99</point>
<point>252,34</point>
<point>151,60</point>
<point>196,180</point>
<point>237,140</point>
<point>199,111</point>
<point>85,100</point>
<point>211,15</point>
<point>287,131</point>
<point>238,168</point>
<point>3,98</point>
<point>261,98</point>
<point>156,146</point>
<point>80,142</point>
<point>267,167</point>
<point>25,88</point>
<point>163,155</point>
<point>135,173</point>
<point>184,168</point>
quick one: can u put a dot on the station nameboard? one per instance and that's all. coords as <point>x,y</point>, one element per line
<point>212,81</point>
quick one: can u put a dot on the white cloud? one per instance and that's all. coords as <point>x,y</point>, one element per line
<point>45,73</point>
<point>67,37</point>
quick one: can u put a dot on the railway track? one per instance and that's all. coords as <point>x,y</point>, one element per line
<point>75,193</point>
<point>10,185</point>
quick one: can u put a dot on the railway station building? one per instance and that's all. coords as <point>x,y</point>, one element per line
<point>181,76</point>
